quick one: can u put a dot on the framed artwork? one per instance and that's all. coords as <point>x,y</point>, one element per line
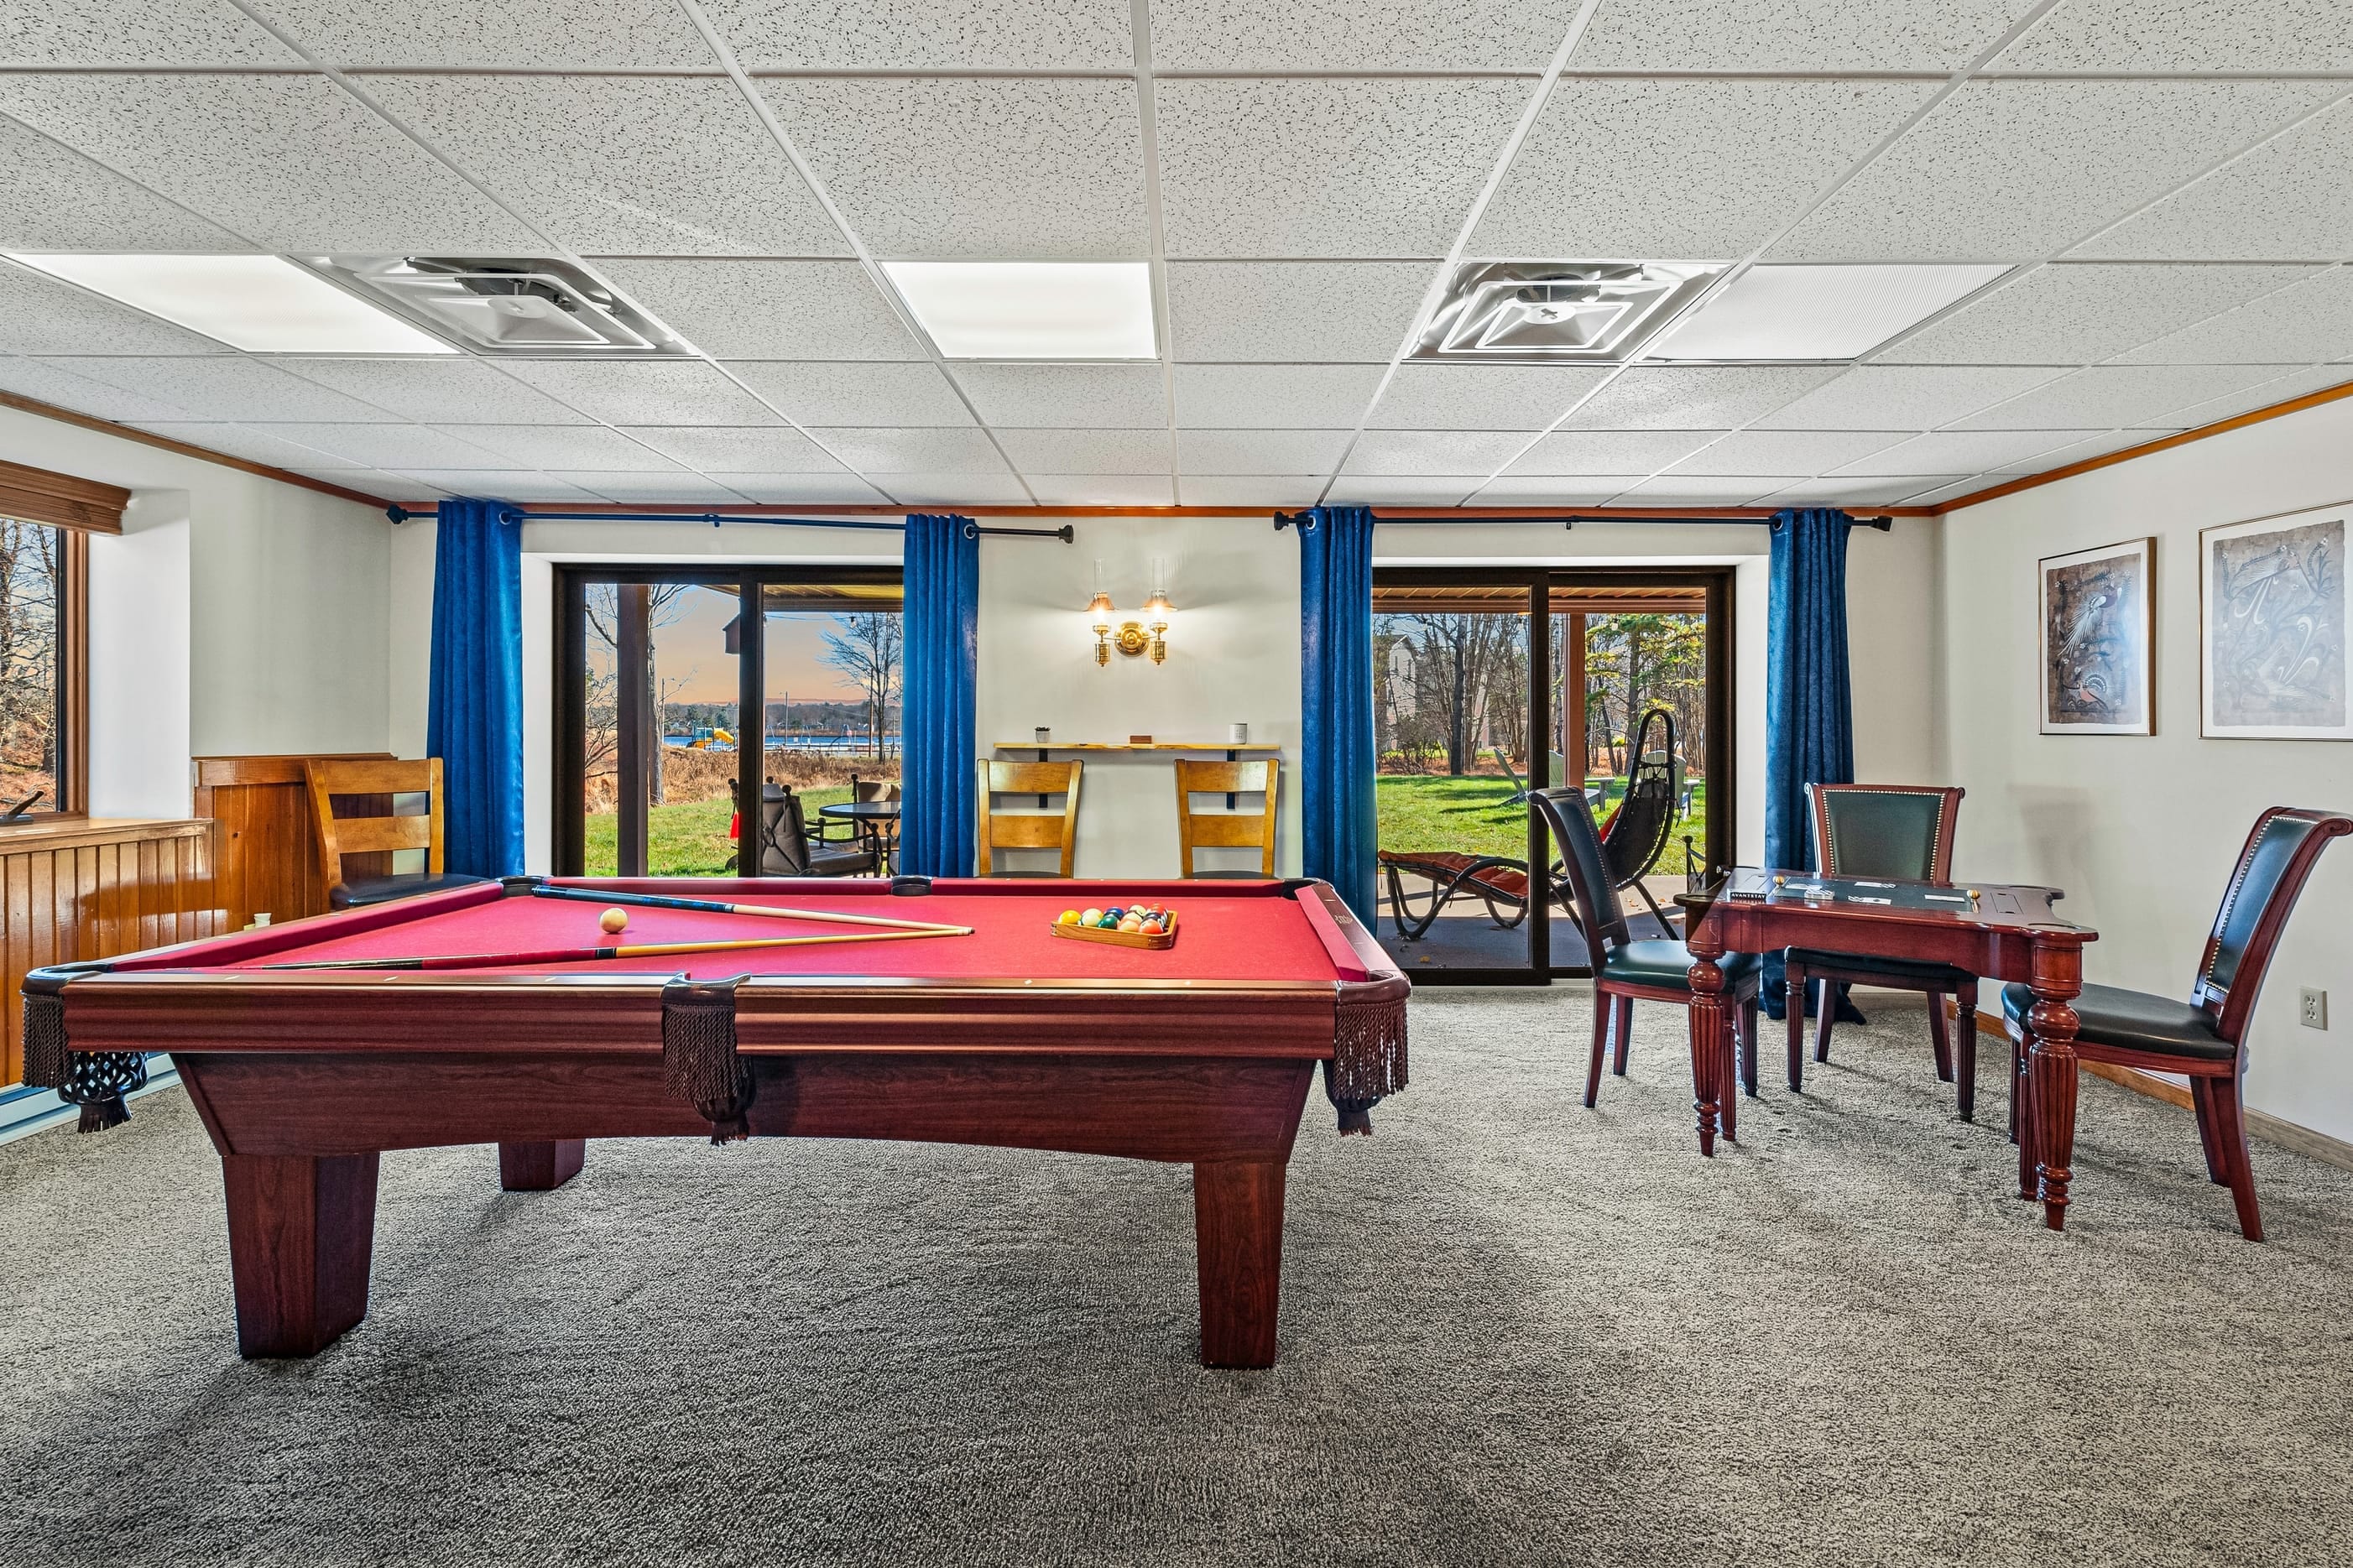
<point>2099,613</point>
<point>2274,660</point>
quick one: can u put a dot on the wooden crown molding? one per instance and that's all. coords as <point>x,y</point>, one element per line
<point>165,443</point>
<point>688,512</point>
<point>61,500</point>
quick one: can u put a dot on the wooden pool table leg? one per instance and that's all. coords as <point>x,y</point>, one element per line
<point>1238,1235</point>
<point>540,1167</point>
<point>301,1228</point>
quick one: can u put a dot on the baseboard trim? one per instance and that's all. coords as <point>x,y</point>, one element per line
<point>2262,1124</point>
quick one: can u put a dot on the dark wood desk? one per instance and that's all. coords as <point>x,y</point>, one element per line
<point>1999,932</point>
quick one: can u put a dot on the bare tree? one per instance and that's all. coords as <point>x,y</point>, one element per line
<point>866,649</point>
<point>30,559</point>
<point>604,727</point>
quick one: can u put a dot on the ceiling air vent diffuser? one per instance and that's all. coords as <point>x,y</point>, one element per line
<point>497,306</point>
<point>1543,311</point>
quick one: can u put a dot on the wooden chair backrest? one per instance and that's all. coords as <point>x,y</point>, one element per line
<point>1029,830</point>
<point>1904,831</point>
<point>1226,829</point>
<point>2279,855</point>
<point>333,780</point>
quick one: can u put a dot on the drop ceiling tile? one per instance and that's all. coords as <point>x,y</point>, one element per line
<point>2312,320</point>
<point>1800,453</point>
<point>1482,396</point>
<point>2110,395</point>
<point>2075,452</point>
<point>620,392</point>
<point>513,35</point>
<point>1906,397</point>
<point>1686,170</point>
<point>1284,397</point>
<point>784,490</point>
<point>1095,397</point>
<point>2246,400</point>
<point>515,486</point>
<point>1349,35</point>
<point>242,441</point>
<point>877,451</point>
<point>1700,489</point>
<point>1307,167</point>
<point>654,488</point>
<point>924,35</point>
<point>853,393</point>
<point>764,449</point>
<point>553,448</point>
<point>1258,451</point>
<point>622,166</point>
<point>1380,490</point>
<point>1964,451</point>
<point>2023,168</point>
<point>1249,489</point>
<point>1103,490</point>
<point>2079,312</point>
<point>450,390</point>
<point>225,388</point>
<point>396,446</point>
<point>135,33</point>
<point>56,199</point>
<point>55,384</point>
<point>1557,490</point>
<point>1578,452</point>
<point>288,162</point>
<point>1086,451</point>
<point>367,481</point>
<point>2284,199</point>
<point>1002,168</point>
<point>768,310</point>
<point>1890,491</point>
<point>1434,451</point>
<point>1331,312</point>
<point>2153,36</point>
<point>40,315</point>
<point>1741,36</point>
<point>1700,397</point>
<point>950,490</point>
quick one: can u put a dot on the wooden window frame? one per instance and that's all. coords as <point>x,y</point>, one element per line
<point>71,800</point>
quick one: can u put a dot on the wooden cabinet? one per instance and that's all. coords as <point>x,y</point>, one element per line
<point>95,889</point>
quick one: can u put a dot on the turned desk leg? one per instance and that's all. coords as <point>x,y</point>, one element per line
<point>540,1167</point>
<point>2057,981</point>
<point>1237,1237</point>
<point>1711,1023</point>
<point>300,1229</point>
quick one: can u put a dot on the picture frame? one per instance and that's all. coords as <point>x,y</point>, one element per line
<point>2275,661</point>
<point>2098,613</point>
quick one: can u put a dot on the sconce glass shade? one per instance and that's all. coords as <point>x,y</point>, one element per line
<point>1157,607</point>
<point>1099,609</point>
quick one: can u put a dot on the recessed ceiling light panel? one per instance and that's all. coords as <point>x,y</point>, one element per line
<point>1537,313</point>
<point>1032,310</point>
<point>263,304</point>
<point>527,305</point>
<point>1818,312</point>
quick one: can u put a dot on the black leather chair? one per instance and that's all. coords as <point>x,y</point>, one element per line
<point>1903,832</point>
<point>789,849</point>
<point>1626,971</point>
<point>2205,1037</point>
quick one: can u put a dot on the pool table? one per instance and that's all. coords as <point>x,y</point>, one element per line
<point>1008,1036</point>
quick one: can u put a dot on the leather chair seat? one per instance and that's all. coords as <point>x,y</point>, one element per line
<point>837,862</point>
<point>1910,972</point>
<point>362,891</point>
<point>2132,1021</point>
<point>1668,964</point>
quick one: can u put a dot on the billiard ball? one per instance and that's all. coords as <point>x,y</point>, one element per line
<point>1067,917</point>
<point>613,921</point>
<point>1091,917</point>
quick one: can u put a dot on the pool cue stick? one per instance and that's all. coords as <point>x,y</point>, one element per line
<point>715,906</point>
<point>597,955</point>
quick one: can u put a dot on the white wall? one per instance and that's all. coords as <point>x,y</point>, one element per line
<point>234,614</point>
<point>2142,831</point>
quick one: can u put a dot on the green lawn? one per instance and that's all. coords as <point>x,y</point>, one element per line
<point>688,840</point>
<point>1469,815</point>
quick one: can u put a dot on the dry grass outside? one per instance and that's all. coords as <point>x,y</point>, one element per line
<point>688,775</point>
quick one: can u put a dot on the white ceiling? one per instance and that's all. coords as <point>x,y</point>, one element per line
<point>2170,184</point>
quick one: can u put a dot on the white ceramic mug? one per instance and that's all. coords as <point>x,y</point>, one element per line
<point>1242,733</point>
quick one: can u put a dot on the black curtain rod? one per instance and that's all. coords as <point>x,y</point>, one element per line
<point>400,514</point>
<point>1567,520</point>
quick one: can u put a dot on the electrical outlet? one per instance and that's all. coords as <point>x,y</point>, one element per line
<point>2312,1008</point>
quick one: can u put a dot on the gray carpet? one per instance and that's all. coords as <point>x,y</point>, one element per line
<point>1515,1331</point>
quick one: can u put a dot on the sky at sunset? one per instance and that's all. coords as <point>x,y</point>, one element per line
<point>691,648</point>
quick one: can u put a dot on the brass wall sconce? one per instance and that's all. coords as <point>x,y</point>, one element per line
<point>1132,638</point>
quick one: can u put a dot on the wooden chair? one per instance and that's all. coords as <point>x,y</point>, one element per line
<point>1227,829</point>
<point>1029,830</point>
<point>352,805</point>
<point>1626,971</point>
<point>1903,832</point>
<point>2206,1037</point>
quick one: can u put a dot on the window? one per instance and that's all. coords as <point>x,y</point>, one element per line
<point>42,701</point>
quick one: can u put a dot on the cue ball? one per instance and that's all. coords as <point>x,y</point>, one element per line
<point>613,920</point>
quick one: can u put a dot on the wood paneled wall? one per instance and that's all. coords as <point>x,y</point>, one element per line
<point>269,845</point>
<point>95,889</point>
